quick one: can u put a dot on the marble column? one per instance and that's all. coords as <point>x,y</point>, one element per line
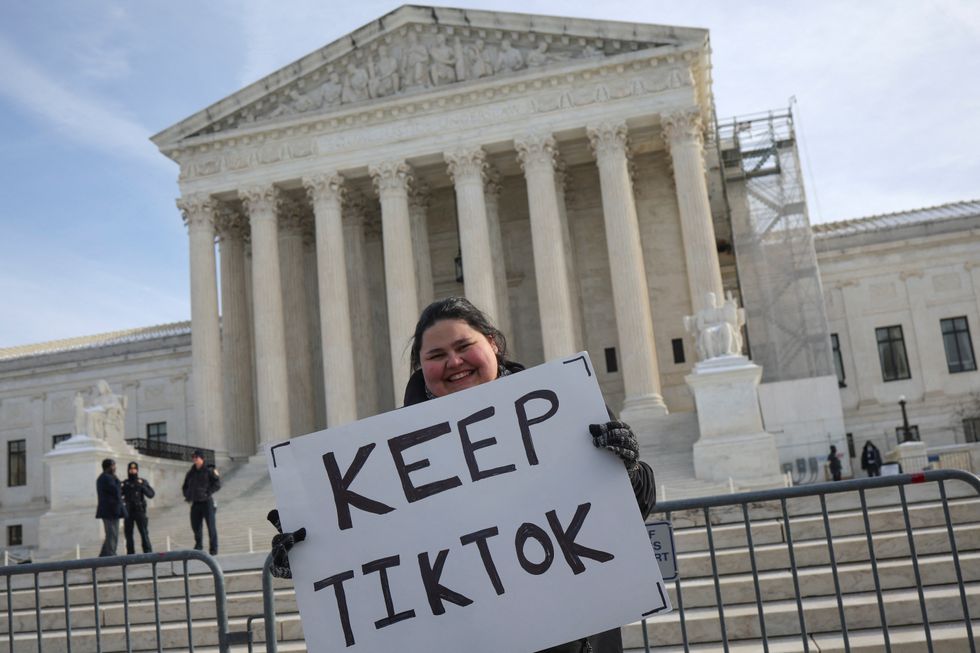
<point>536,154</point>
<point>198,211</point>
<point>261,202</point>
<point>634,323</point>
<point>683,136</point>
<point>362,325</point>
<point>491,193</point>
<point>391,182</point>
<point>299,371</point>
<point>418,206</point>
<point>561,181</point>
<point>326,192</point>
<point>313,317</point>
<point>236,335</point>
<point>467,170</point>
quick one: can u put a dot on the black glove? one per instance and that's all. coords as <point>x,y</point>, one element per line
<point>617,437</point>
<point>281,544</point>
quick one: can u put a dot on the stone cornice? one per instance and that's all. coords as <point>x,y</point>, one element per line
<point>548,89</point>
<point>602,36</point>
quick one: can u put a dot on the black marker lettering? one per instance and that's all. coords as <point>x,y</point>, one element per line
<point>342,496</point>
<point>469,447</point>
<point>399,444</point>
<point>338,588</point>
<point>529,530</point>
<point>480,537</point>
<point>434,590</point>
<point>566,540</point>
<point>381,566</point>
<point>526,424</point>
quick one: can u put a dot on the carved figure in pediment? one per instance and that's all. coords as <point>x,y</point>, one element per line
<point>509,58</point>
<point>386,80</point>
<point>480,60</point>
<point>415,62</point>
<point>297,102</point>
<point>590,52</point>
<point>538,56</point>
<point>442,70</point>
<point>356,85</point>
<point>331,90</point>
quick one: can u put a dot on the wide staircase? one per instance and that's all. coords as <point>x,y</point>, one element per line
<point>699,592</point>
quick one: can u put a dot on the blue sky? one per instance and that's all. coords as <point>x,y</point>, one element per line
<point>90,239</point>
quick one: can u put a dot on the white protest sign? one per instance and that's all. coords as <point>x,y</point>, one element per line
<point>662,540</point>
<point>483,521</point>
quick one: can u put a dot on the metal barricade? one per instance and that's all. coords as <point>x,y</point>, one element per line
<point>57,624</point>
<point>795,546</point>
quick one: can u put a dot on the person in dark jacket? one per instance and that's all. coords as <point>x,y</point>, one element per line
<point>833,460</point>
<point>200,484</point>
<point>135,492</point>
<point>871,459</point>
<point>111,508</point>
<point>455,346</point>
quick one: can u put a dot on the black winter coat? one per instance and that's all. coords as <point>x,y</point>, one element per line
<point>644,488</point>
<point>135,492</point>
<point>110,497</point>
<point>200,484</point>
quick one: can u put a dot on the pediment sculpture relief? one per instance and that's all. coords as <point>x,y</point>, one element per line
<point>412,60</point>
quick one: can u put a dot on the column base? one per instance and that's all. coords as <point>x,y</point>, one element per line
<point>642,408</point>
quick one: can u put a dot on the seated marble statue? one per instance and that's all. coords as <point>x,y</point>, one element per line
<point>105,419</point>
<point>717,327</point>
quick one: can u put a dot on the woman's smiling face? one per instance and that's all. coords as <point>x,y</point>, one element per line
<point>455,356</point>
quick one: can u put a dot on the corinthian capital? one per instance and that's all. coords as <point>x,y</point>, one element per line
<point>292,215</point>
<point>231,223</point>
<point>418,198</point>
<point>197,210</point>
<point>391,177</point>
<point>536,150</point>
<point>608,138</point>
<point>260,199</point>
<point>682,126</point>
<point>325,187</point>
<point>466,164</point>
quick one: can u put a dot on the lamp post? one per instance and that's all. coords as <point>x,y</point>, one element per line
<point>906,435</point>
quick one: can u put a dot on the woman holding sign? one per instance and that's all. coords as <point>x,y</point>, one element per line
<point>455,347</point>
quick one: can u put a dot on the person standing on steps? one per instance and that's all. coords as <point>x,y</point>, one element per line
<point>871,459</point>
<point>111,507</point>
<point>200,484</point>
<point>833,460</point>
<point>136,491</point>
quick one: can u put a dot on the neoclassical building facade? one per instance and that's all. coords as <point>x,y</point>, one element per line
<point>550,169</point>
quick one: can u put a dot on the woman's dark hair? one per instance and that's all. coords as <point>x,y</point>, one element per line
<point>455,308</point>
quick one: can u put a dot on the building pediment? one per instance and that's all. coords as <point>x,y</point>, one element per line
<point>415,50</point>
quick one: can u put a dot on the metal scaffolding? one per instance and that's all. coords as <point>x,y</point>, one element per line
<point>779,280</point>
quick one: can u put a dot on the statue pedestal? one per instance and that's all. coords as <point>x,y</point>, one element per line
<point>74,466</point>
<point>913,456</point>
<point>733,442</point>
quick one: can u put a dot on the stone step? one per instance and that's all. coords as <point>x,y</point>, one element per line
<point>902,608</point>
<point>949,638</point>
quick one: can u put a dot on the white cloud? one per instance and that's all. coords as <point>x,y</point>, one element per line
<point>89,121</point>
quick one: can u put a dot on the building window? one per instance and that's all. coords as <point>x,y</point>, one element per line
<point>15,535</point>
<point>913,433</point>
<point>971,429</point>
<point>838,360</point>
<point>891,352</point>
<point>16,463</point>
<point>156,432</point>
<point>959,347</point>
<point>55,439</point>
<point>678,345</point>
<point>612,365</point>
